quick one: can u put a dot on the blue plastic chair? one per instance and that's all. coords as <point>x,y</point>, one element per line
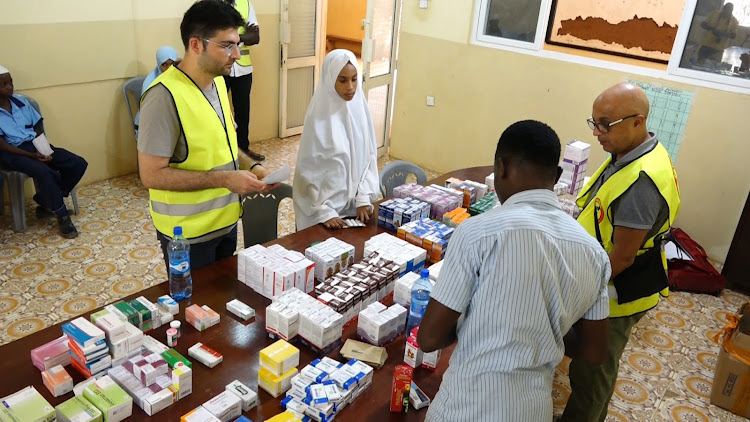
<point>395,173</point>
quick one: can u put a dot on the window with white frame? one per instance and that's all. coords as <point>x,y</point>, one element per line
<point>514,23</point>
<point>713,43</point>
<point>711,49</point>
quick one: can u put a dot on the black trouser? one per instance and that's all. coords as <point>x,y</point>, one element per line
<point>54,179</point>
<point>204,253</point>
<point>240,89</point>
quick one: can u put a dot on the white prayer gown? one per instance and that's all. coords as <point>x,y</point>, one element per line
<point>337,168</point>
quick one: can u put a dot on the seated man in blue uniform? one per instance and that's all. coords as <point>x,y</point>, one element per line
<point>55,175</point>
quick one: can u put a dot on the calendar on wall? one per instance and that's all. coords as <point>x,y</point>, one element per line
<point>668,114</point>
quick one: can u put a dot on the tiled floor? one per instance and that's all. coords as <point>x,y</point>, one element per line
<point>665,372</point>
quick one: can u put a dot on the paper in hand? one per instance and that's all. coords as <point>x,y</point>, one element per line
<point>42,145</point>
<point>280,175</point>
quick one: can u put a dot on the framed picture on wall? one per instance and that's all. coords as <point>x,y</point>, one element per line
<point>642,29</point>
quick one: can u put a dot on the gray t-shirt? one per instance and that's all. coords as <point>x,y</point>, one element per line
<point>641,207</point>
<point>159,131</point>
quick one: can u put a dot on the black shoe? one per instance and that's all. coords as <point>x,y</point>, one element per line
<point>67,229</point>
<point>256,156</point>
<point>42,213</point>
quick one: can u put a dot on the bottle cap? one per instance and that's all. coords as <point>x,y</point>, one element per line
<point>177,230</point>
<point>175,324</point>
<point>424,273</point>
<point>172,332</point>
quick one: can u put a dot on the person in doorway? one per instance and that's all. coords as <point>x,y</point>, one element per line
<point>54,175</point>
<point>628,205</point>
<point>337,165</point>
<point>521,275</point>
<point>240,80</point>
<point>187,148</point>
<point>720,27</point>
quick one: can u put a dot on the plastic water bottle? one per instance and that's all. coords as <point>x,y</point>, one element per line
<point>420,296</point>
<point>180,280</point>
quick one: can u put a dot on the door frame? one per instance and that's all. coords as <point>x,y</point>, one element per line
<point>285,63</point>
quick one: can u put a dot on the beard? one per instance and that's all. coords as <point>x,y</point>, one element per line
<point>213,67</point>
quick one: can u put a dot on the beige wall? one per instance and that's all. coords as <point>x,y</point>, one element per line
<point>480,91</point>
<point>74,56</point>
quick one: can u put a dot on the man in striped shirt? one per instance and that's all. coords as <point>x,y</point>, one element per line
<point>521,275</point>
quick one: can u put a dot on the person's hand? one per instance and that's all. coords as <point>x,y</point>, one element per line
<point>41,157</point>
<point>260,171</point>
<point>335,223</point>
<point>269,188</point>
<point>243,181</point>
<point>364,213</point>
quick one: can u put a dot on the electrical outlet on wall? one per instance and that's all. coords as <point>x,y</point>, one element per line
<point>423,4</point>
<point>430,100</point>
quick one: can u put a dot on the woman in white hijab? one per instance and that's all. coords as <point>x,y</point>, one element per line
<point>337,165</point>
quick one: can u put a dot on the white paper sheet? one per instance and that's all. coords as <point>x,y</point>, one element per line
<point>42,145</point>
<point>280,175</point>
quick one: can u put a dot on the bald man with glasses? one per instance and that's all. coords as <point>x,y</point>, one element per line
<point>628,205</point>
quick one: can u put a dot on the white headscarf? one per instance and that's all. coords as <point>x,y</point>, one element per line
<point>3,70</point>
<point>162,55</point>
<point>337,163</point>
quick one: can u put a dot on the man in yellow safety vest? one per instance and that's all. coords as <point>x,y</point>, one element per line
<point>240,80</point>
<point>628,205</point>
<point>187,145</point>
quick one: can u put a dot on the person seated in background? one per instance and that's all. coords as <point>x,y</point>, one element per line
<point>55,175</point>
<point>165,56</point>
<point>521,275</point>
<point>337,165</point>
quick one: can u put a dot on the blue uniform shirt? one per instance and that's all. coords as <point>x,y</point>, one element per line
<point>18,127</point>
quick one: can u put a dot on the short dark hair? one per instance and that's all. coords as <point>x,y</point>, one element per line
<point>532,142</point>
<point>206,17</point>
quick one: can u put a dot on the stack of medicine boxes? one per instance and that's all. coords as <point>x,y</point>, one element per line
<point>278,364</point>
<point>89,351</point>
<point>270,271</point>
<point>324,387</point>
<point>574,165</point>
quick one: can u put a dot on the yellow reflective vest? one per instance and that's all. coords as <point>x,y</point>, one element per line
<point>243,6</point>
<point>657,165</point>
<point>210,147</point>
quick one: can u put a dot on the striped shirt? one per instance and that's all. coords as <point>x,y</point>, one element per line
<point>521,275</point>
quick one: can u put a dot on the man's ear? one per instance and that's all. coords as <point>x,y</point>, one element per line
<point>499,168</point>
<point>559,173</point>
<point>639,120</point>
<point>195,45</point>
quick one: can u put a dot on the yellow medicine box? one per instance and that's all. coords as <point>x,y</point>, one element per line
<point>279,357</point>
<point>284,417</point>
<point>275,385</point>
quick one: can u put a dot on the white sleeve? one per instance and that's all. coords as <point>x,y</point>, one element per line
<point>251,16</point>
<point>600,308</point>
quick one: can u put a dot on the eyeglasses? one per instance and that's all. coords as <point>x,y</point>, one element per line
<point>228,49</point>
<point>604,127</point>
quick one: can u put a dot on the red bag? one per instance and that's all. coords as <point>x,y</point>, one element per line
<point>696,275</point>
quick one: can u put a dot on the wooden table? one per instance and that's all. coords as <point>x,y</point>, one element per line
<point>240,342</point>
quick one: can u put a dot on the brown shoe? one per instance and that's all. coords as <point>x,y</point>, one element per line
<point>256,156</point>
